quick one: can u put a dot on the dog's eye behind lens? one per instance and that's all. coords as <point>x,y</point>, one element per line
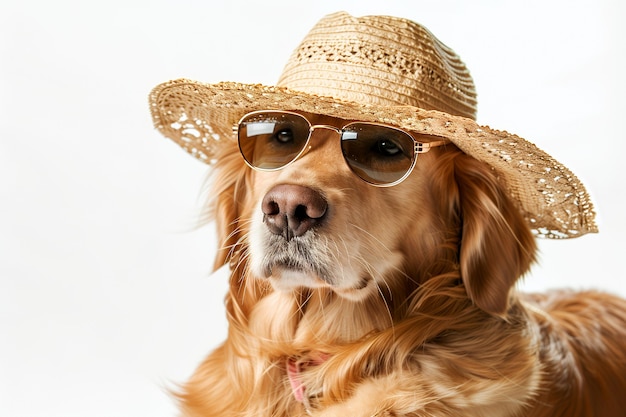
<point>386,147</point>
<point>284,136</point>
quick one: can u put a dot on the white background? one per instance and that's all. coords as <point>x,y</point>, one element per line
<point>106,297</point>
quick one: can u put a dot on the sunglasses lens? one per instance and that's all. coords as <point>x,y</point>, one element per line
<point>270,140</point>
<point>380,155</point>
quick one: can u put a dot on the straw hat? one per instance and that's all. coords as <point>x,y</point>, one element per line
<point>388,70</point>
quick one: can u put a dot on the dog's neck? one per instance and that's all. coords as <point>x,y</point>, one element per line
<point>294,323</point>
<point>318,322</point>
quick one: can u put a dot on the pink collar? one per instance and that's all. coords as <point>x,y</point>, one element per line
<point>295,368</point>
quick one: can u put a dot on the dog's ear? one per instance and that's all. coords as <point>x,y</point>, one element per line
<point>496,244</point>
<point>227,193</point>
<point>225,219</point>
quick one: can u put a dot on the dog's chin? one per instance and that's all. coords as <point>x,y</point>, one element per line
<point>284,278</point>
<point>287,279</point>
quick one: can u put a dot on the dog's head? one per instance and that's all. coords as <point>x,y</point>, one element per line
<point>315,224</point>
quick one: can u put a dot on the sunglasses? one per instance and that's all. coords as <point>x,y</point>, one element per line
<point>379,154</point>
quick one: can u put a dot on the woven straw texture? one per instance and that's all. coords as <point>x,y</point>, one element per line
<point>394,62</point>
<point>342,79</point>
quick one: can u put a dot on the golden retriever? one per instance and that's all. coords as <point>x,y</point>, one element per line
<point>395,301</point>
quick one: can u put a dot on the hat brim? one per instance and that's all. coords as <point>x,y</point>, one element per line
<point>198,116</point>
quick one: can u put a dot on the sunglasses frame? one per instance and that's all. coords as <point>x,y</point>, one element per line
<point>418,147</point>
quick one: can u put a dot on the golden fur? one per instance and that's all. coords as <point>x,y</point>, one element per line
<point>421,319</point>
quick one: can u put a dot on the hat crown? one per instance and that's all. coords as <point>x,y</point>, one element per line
<point>380,60</point>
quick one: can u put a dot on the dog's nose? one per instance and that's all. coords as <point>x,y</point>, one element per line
<point>291,210</point>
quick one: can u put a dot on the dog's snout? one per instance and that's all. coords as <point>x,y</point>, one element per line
<point>291,210</point>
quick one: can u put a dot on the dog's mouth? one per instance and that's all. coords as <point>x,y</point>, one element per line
<point>308,262</point>
<point>295,262</point>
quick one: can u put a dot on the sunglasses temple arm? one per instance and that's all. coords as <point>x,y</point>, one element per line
<point>426,146</point>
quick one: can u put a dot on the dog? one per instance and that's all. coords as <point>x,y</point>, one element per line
<point>374,235</point>
<point>347,299</point>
